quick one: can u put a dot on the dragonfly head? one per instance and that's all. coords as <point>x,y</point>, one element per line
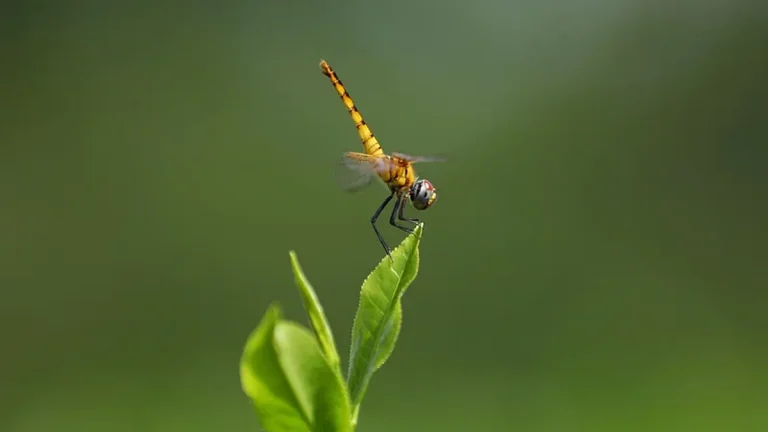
<point>423,194</point>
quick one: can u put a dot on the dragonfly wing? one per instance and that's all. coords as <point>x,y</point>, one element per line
<point>415,159</point>
<point>355,171</point>
<point>354,184</point>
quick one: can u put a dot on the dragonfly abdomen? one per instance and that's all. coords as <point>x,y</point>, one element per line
<point>370,143</point>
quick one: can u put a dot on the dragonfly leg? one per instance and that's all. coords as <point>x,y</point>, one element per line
<point>400,214</point>
<point>376,230</point>
<point>399,204</point>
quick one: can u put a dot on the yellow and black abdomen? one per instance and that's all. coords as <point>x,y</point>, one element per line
<point>370,143</point>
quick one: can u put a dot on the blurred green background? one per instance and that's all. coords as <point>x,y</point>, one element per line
<point>596,261</point>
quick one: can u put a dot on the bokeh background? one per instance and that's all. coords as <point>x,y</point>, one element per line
<point>596,261</point>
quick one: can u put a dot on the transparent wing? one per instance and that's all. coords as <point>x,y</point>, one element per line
<point>355,171</point>
<point>415,159</point>
<point>351,179</point>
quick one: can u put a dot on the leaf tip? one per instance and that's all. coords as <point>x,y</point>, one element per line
<point>274,310</point>
<point>295,263</point>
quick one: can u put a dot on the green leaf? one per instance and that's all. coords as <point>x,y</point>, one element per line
<point>318,388</point>
<point>264,382</point>
<point>289,381</point>
<point>379,315</point>
<point>316,314</point>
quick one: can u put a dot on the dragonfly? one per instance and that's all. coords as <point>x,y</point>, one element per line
<point>394,170</point>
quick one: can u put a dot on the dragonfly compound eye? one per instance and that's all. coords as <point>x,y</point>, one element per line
<point>423,194</point>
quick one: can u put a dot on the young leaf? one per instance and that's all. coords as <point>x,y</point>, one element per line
<point>289,381</point>
<point>316,314</point>
<point>264,382</point>
<point>319,389</point>
<point>379,315</point>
